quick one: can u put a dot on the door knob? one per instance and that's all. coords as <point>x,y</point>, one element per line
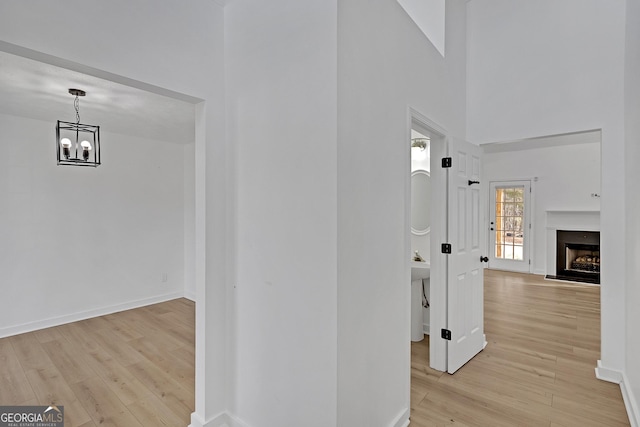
<point>484,259</point>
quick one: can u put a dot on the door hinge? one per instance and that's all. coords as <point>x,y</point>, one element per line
<point>446,248</point>
<point>445,334</point>
<point>446,162</point>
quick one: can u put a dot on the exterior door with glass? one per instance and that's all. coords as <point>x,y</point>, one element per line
<point>510,226</point>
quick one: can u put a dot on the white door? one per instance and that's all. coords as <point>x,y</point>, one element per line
<point>509,225</point>
<point>465,287</point>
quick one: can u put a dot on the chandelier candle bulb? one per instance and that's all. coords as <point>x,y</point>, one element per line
<point>86,147</point>
<point>66,145</point>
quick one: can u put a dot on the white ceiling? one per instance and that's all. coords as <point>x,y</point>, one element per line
<point>39,91</point>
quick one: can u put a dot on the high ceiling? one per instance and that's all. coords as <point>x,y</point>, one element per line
<point>39,91</point>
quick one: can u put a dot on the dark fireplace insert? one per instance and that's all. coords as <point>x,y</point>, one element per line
<point>578,256</point>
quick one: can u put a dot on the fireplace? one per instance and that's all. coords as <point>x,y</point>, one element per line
<point>578,256</point>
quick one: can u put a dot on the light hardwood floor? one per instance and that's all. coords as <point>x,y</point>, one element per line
<point>136,368</point>
<point>538,368</point>
<point>133,368</point>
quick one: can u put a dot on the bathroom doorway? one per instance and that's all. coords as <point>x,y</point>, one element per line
<point>420,232</point>
<point>421,205</point>
<point>456,244</point>
<point>427,183</point>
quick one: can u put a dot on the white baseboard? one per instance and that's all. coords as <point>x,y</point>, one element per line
<point>219,420</point>
<point>402,420</point>
<point>539,272</point>
<point>223,419</point>
<point>196,421</point>
<point>82,315</point>
<point>190,295</point>
<point>606,374</point>
<point>426,329</point>
<point>236,422</point>
<point>630,402</point>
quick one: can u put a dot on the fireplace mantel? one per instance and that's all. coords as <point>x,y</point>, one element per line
<point>570,221</point>
<point>573,220</point>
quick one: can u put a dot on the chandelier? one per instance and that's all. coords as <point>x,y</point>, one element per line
<point>77,144</point>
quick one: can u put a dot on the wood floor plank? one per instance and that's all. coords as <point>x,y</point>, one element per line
<point>47,334</point>
<point>121,329</point>
<point>119,350</point>
<point>187,322</point>
<point>155,331</point>
<point>78,336</point>
<point>174,396</point>
<point>14,387</point>
<point>93,324</point>
<point>186,354</point>
<point>104,406</point>
<point>69,360</point>
<point>177,368</point>
<point>150,411</point>
<point>117,378</point>
<point>51,389</point>
<point>29,351</point>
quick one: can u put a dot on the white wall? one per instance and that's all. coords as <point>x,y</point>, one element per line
<point>632,154</point>
<point>566,175</point>
<point>163,46</point>
<point>385,65</point>
<point>281,82</point>
<point>79,242</point>
<point>548,67</point>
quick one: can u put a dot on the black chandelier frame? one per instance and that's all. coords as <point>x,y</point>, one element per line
<point>74,154</point>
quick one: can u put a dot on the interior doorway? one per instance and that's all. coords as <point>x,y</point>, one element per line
<point>420,232</point>
<point>428,237</point>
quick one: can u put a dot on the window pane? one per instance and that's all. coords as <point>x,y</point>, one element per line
<point>517,223</point>
<point>507,194</point>
<point>518,194</point>
<point>518,252</point>
<point>509,209</point>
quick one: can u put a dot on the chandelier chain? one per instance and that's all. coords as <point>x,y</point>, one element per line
<point>76,105</point>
